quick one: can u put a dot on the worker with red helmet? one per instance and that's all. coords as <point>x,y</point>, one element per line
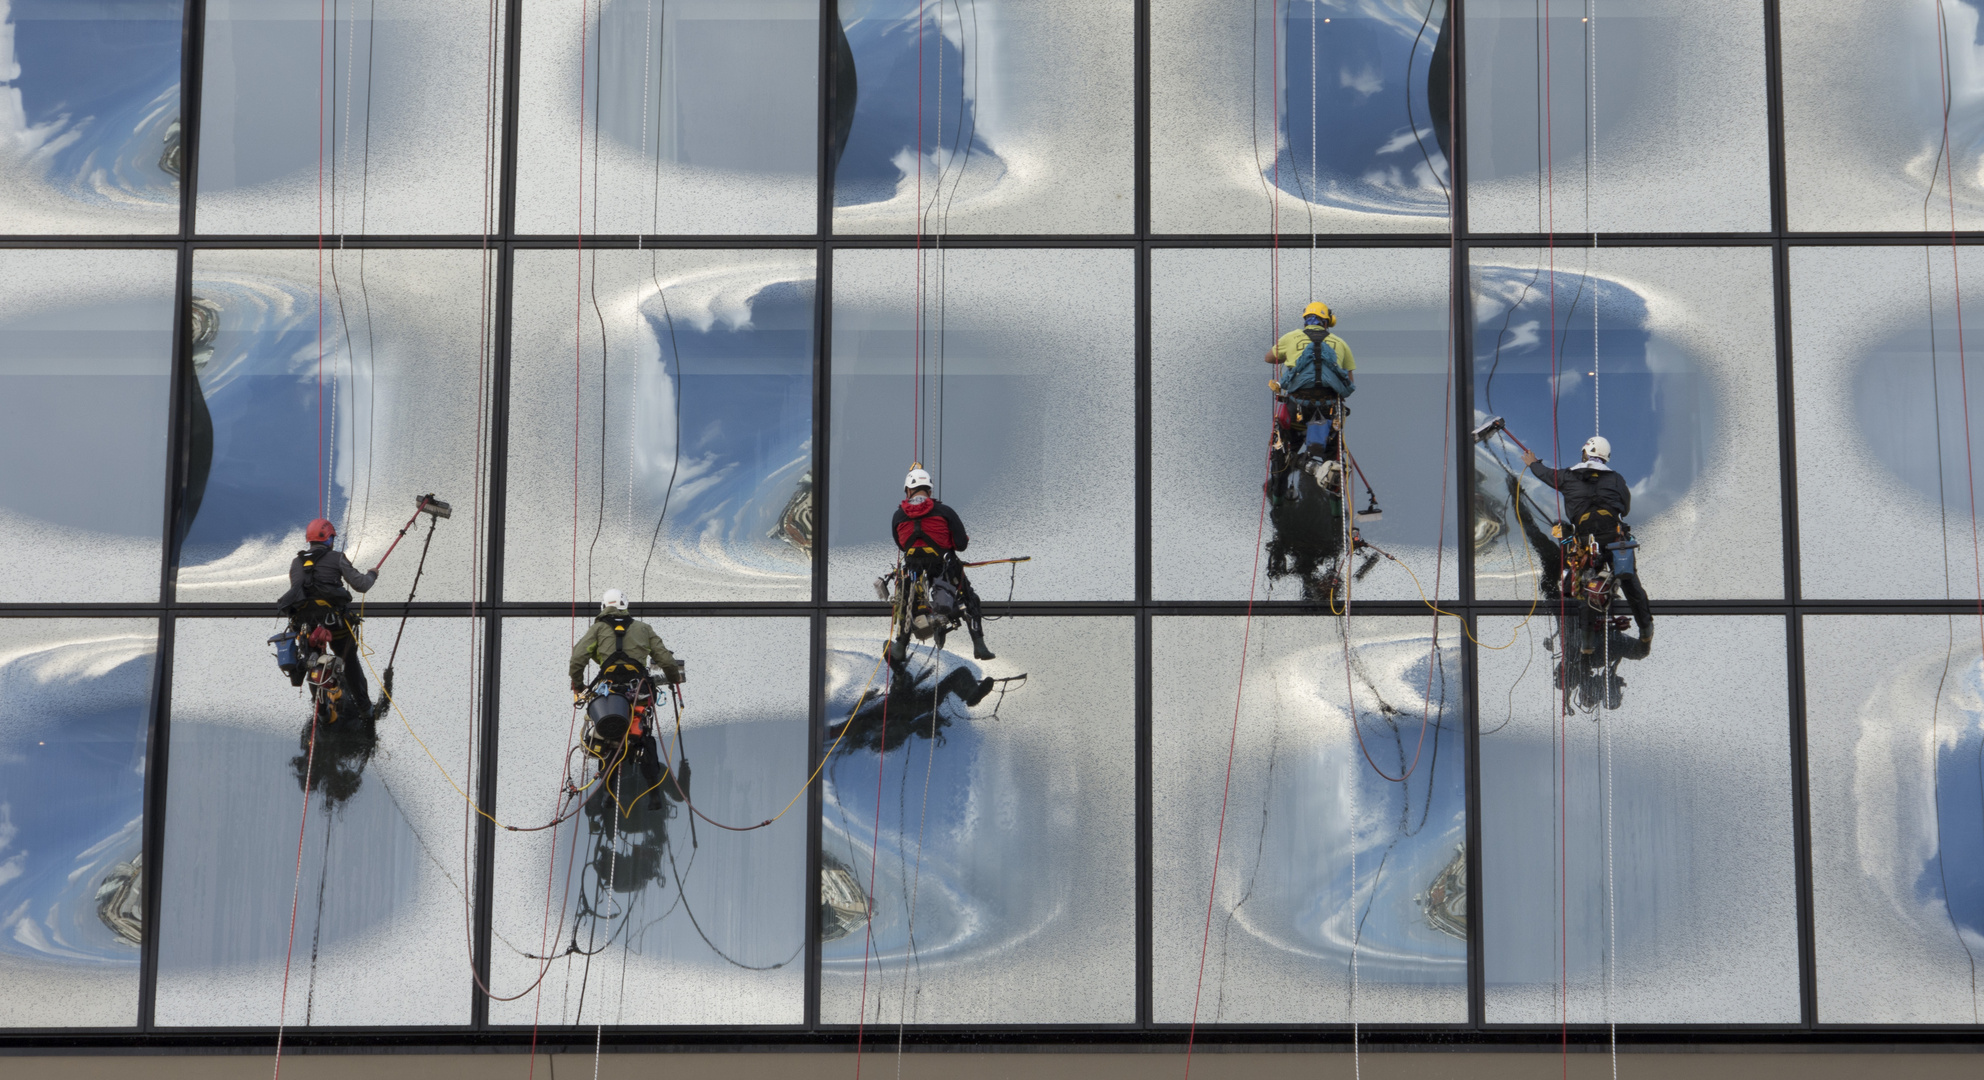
<point>317,597</point>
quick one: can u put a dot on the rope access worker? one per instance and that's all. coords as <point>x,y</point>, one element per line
<point>930,535</point>
<point>1317,373</point>
<point>317,597</point>
<point>1597,500</point>
<point>629,653</point>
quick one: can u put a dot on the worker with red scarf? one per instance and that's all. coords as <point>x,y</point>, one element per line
<point>930,535</point>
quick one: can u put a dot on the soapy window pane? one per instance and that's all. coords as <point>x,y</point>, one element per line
<point>1864,100</point>
<point>391,411</point>
<point>687,923</point>
<point>89,132</point>
<point>1685,391</point>
<point>356,118</point>
<point>1679,94</point>
<point>1026,112</point>
<point>1211,421</point>
<point>1892,730</point>
<point>1322,856</point>
<point>1338,108</point>
<point>1688,755</point>
<point>1884,461</point>
<point>1024,416</point>
<point>75,697</point>
<point>680,116</point>
<point>85,389</point>
<point>991,826</point>
<point>383,899</point>
<point>693,437</point>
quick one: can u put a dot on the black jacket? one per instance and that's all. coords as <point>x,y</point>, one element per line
<point>1586,490</point>
<point>326,575</point>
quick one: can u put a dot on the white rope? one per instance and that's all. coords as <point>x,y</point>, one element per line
<point>1312,156</point>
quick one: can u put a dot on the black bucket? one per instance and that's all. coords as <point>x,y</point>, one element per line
<point>609,714</point>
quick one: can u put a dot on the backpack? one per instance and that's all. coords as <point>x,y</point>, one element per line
<point>1316,372</point>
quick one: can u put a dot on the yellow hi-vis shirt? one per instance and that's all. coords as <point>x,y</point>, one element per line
<point>1289,348</point>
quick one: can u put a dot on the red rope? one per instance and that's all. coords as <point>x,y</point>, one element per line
<point>323,491</point>
<point>874,850</point>
<point>289,951</point>
<point>1963,364</point>
<point>916,320</point>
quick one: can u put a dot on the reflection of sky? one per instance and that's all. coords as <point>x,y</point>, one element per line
<point>72,754</point>
<point>1956,869</point>
<point>882,145</point>
<point>97,88</point>
<point>1370,132</point>
<point>1909,397</point>
<point>261,387</point>
<point>1651,395</point>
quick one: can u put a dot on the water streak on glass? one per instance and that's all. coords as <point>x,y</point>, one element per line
<point>383,904</point>
<point>1700,893</point>
<point>1686,392</point>
<point>692,440</point>
<point>1025,110</point>
<point>1305,802</point>
<point>390,412</point>
<point>649,914</point>
<point>74,712</point>
<point>1211,421</point>
<point>353,116</point>
<point>89,116</point>
<point>1866,100</point>
<point>1895,727</point>
<point>1024,415</point>
<point>1679,96</point>
<point>983,811</point>
<point>85,363</point>
<point>679,116</point>
<point>1335,113</point>
<point>1885,464</point>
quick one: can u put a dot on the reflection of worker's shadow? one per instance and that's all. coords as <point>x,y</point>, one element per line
<point>337,766</point>
<point>908,705</point>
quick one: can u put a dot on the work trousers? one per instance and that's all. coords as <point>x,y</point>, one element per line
<point>1608,530</point>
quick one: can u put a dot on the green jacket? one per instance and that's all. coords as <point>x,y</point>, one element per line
<point>640,642</point>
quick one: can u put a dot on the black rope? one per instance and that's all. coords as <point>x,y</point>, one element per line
<point>386,679</point>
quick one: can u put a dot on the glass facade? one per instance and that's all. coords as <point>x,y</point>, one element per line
<point>664,297</point>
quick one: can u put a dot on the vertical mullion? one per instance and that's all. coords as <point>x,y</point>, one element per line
<point>154,821</point>
<point>192,51</point>
<point>829,71</point>
<point>1145,881</point>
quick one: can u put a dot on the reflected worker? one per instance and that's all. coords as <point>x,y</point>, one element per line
<point>930,535</point>
<point>1596,502</point>
<point>317,598</point>
<point>1317,373</point>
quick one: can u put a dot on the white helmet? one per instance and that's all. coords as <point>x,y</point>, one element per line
<point>1598,447</point>
<point>614,600</point>
<point>917,478</point>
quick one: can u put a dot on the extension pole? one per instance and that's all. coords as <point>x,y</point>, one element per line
<point>440,510</point>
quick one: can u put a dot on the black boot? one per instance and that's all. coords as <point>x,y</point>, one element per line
<point>979,651</point>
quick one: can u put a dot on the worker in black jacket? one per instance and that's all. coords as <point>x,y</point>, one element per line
<point>1596,502</point>
<point>317,596</point>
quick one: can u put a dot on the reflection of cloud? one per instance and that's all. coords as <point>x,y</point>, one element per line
<point>261,562</point>
<point>1410,137</point>
<point>13,867</point>
<point>1365,83</point>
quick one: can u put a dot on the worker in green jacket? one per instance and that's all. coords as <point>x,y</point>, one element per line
<point>630,655</point>
<point>614,633</point>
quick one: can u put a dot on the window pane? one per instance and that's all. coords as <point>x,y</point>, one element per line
<point>1892,726</point>
<point>1025,110</point>
<point>1031,376</point>
<point>1003,887</point>
<point>1674,841</point>
<point>1681,146</point>
<point>1687,387</point>
<point>1884,454</point>
<point>383,893</point>
<point>355,118</point>
<point>1357,862</point>
<point>1211,419</point>
<point>691,116</point>
<point>690,461</point>
<point>1339,109</point>
<point>91,135</point>
<point>688,923</point>
<point>75,708</point>
<point>351,418</point>
<point>1864,102</point>
<point>83,334</point>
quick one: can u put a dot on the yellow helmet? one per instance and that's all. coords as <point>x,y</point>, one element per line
<point>1321,310</point>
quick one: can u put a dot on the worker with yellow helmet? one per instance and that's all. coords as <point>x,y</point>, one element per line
<point>1309,411</point>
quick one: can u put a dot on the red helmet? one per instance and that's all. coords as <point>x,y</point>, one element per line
<point>318,530</point>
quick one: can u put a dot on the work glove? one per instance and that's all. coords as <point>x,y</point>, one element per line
<point>578,694</point>
<point>1274,385</point>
